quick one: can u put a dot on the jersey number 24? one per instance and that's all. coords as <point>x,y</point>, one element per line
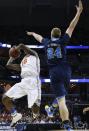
<point>52,53</point>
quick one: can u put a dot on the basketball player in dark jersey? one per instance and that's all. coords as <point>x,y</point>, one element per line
<point>59,69</point>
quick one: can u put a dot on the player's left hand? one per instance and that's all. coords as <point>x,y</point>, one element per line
<point>29,33</point>
<point>80,7</point>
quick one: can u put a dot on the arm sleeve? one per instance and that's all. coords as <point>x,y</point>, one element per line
<point>45,41</point>
<point>66,38</point>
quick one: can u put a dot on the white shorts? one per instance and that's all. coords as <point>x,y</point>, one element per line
<point>28,86</point>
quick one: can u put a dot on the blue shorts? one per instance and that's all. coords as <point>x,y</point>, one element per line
<point>60,78</point>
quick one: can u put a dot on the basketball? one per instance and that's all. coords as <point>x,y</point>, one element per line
<point>13,52</point>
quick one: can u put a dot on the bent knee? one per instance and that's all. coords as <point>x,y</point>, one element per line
<point>61,100</point>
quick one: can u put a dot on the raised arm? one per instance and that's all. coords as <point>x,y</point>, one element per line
<point>12,66</point>
<point>38,37</point>
<point>74,22</point>
<point>26,49</point>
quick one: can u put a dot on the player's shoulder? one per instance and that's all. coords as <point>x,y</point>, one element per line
<point>45,40</point>
<point>65,38</point>
<point>66,35</point>
<point>33,57</point>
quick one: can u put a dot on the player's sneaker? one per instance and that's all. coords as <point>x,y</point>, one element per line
<point>15,119</point>
<point>48,111</point>
<point>68,128</point>
<point>67,125</point>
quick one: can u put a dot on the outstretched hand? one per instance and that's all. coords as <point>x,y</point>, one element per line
<point>79,7</point>
<point>29,33</point>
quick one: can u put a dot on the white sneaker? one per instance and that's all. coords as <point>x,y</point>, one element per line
<point>15,119</point>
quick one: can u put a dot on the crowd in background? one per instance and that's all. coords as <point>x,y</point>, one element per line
<point>21,105</point>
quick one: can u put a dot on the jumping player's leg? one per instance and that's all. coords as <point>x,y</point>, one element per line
<point>36,106</point>
<point>34,103</point>
<point>34,98</point>
<point>63,110</point>
<point>60,79</point>
<point>64,113</point>
<point>7,102</point>
<point>14,92</point>
<point>35,110</point>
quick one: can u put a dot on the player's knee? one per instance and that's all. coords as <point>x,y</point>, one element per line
<point>4,99</point>
<point>61,101</point>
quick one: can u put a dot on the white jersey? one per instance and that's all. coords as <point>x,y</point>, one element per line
<point>30,66</point>
<point>30,84</point>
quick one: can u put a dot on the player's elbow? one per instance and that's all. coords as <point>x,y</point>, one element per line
<point>41,39</point>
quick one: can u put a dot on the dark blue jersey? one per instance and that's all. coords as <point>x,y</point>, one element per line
<point>56,49</point>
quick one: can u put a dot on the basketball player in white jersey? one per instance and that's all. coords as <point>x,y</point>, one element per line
<point>30,84</point>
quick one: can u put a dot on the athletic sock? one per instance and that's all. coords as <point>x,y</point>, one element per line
<point>13,112</point>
